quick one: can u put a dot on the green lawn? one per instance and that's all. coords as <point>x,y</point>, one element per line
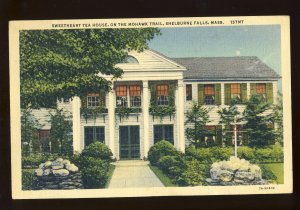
<point>162,177</point>
<point>277,169</point>
<point>110,173</point>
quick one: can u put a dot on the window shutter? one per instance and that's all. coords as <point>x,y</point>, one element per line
<point>84,101</point>
<point>102,96</point>
<point>270,92</point>
<point>244,92</point>
<point>252,89</point>
<point>219,134</point>
<point>218,94</point>
<point>227,94</point>
<point>200,94</point>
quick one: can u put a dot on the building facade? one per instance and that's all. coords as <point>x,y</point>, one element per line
<point>149,102</point>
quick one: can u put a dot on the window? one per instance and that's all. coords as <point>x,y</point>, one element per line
<point>135,95</point>
<point>163,132</point>
<point>209,94</point>
<point>211,137</point>
<point>162,93</point>
<point>235,90</point>
<point>95,100</point>
<point>261,90</point>
<point>121,92</point>
<point>188,89</point>
<point>44,140</point>
<point>93,133</point>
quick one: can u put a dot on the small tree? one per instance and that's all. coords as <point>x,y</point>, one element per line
<point>278,115</point>
<point>259,124</point>
<point>29,132</point>
<point>229,116</point>
<point>197,118</point>
<point>61,127</point>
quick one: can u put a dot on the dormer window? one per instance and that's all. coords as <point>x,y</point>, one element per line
<point>130,59</point>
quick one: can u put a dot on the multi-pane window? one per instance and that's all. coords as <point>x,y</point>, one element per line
<point>261,90</point>
<point>93,133</point>
<point>188,89</point>
<point>95,100</point>
<point>162,93</point>
<point>209,94</point>
<point>121,93</point>
<point>44,140</point>
<point>235,90</point>
<point>211,138</point>
<point>163,132</point>
<point>135,95</point>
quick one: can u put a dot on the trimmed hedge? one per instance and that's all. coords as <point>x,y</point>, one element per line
<point>195,174</point>
<point>173,166</point>
<point>209,154</point>
<point>97,150</point>
<point>160,149</point>
<point>94,172</point>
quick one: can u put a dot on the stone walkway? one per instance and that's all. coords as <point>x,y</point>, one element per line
<point>133,173</point>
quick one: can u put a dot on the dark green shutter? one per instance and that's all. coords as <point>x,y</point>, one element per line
<point>269,92</point>
<point>218,94</point>
<point>102,98</point>
<point>227,94</point>
<point>244,92</point>
<point>252,89</point>
<point>219,135</point>
<point>200,94</point>
<point>84,101</point>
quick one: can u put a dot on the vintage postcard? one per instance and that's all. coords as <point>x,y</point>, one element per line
<point>150,107</point>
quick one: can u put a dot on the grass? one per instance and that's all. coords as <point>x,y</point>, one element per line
<point>277,169</point>
<point>110,173</point>
<point>162,177</point>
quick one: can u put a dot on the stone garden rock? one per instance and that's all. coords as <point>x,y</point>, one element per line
<point>235,171</point>
<point>58,174</point>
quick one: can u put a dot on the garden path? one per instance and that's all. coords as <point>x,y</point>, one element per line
<point>133,173</point>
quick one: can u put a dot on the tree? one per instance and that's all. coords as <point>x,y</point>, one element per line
<point>61,128</point>
<point>197,118</point>
<point>29,132</point>
<point>278,115</point>
<point>65,63</point>
<point>259,122</point>
<point>229,116</point>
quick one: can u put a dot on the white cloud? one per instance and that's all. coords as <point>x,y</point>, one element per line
<point>238,52</point>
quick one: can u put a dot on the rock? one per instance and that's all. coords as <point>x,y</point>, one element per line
<point>47,164</point>
<point>60,172</point>
<point>243,175</point>
<point>60,160</point>
<point>41,166</point>
<point>38,172</point>
<point>47,172</point>
<point>72,168</point>
<point>66,162</point>
<point>225,176</point>
<point>214,173</point>
<point>56,167</point>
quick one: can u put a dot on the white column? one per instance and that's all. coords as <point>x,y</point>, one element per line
<point>146,117</point>
<point>111,120</point>
<point>76,124</point>
<point>222,94</point>
<point>180,116</point>
<point>248,90</point>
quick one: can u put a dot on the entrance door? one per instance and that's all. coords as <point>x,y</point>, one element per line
<point>129,142</point>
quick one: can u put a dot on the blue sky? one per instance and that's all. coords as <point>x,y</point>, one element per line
<point>261,41</point>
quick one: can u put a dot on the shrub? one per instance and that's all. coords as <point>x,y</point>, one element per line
<point>97,150</point>
<point>172,166</point>
<point>194,174</point>
<point>160,149</point>
<point>267,173</point>
<point>29,180</point>
<point>94,172</point>
<point>201,154</point>
<point>263,155</point>
<point>220,153</point>
<point>246,153</point>
<point>34,160</point>
<point>277,153</point>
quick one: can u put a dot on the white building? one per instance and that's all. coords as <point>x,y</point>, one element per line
<point>153,83</point>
